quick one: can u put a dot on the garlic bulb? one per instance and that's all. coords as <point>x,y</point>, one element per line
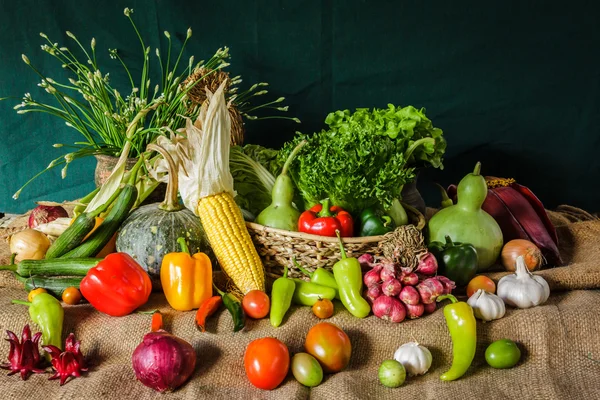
<point>523,289</point>
<point>415,358</point>
<point>486,306</point>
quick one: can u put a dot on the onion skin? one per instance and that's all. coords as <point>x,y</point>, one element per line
<point>29,244</point>
<point>410,279</point>
<point>532,255</point>
<point>373,276</point>
<point>373,292</point>
<point>391,287</point>
<point>409,295</point>
<point>430,308</point>
<point>415,310</point>
<point>428,265</point>
<point>389,308</point>
<point>44,214</point>
<point>163,361</point>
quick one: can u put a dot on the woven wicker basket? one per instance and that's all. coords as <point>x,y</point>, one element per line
<point>277,247</point>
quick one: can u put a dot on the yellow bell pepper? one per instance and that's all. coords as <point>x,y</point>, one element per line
<point>186,280</point>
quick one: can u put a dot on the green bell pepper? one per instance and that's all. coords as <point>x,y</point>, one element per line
<point>373,223</point>
<point>48,314</point>
<point>457,261</point>
<point>281,298</point>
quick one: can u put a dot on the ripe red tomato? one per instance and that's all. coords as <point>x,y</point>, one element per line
<point>267,362</point>
<point>480,282</point>
<point>256,304</point>
<point>329,345</point>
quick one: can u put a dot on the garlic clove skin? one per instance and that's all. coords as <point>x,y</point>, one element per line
<point>523,289</point>
<point>415,358</point>
<point>487,306</point>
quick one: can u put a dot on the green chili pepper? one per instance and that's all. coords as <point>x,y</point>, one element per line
<point>348,275</point>
<point>48,314</point>
<point>463,331</point>
<point>308,293</point>
<point>235,309</point>
<point>373,223</point>
<point>281,298</point>
<point>457,261</point>
<point>321,277</point>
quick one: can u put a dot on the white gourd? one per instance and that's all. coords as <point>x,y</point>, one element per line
<point>523,289</point>
<point>415,358</point>
<point>486,306</point>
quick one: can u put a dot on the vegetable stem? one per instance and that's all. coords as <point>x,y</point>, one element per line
<point>292,156</point>
<point>183,245</point>
<point>342,250</point>
<point>25,303</point>
<point>447,297</point>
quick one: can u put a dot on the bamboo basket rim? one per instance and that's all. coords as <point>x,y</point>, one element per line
<point>328,239</point>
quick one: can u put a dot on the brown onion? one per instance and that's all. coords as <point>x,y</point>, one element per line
<point>163,361</point>
<point>44,214</point>
<point>29,244</point>
<point>532,255</point>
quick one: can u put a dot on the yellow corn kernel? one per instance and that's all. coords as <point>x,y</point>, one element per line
<point>229,238</point>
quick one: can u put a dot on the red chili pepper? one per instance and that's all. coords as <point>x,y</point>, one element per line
<point>207,308</point>
<point>157,322</point>
<point>117,285</point>
<point>324,220</point>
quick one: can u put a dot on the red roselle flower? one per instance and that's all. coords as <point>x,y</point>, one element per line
<point>23,356</point>
<point>67,363</point>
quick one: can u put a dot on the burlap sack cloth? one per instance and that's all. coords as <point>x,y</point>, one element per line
<point>559,341</point>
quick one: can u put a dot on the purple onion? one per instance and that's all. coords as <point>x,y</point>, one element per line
<point>163,361</point>
<point>415,310</point>
<point>389,309</point>
<point>373,292</point>
<point>409,295</point>
<point>410,279</point>
<point>428,265</point>
<point>391,287</point>
<point>430,308</point>
<point>373,276</point>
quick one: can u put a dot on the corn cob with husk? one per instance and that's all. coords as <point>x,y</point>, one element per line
<point>206,187</point>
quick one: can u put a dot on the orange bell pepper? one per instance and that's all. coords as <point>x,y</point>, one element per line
<point>186,280</point>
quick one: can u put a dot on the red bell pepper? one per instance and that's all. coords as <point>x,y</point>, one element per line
<point>117,285</point>
<point>321,219</point>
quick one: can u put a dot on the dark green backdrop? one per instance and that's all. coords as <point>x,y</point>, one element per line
<point>514,84</point>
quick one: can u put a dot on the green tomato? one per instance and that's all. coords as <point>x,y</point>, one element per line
<point>503,353</point>
<point>307,370</point>
<point>392,373</point>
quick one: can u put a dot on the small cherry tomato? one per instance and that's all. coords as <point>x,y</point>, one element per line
<point>480,282</point>
<point>71,295</point>
<point>267,362</point>
<point>34,293</point>
<point>503,353</point>
<point>256,304</point>
<point>323,308</point>
<point>330,345</point>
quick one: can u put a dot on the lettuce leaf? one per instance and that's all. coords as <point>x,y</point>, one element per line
<point>365,158</point>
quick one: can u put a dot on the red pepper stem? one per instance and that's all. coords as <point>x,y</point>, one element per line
<point>25,303</point>
<point>325,212</point>
<point>342,250</point>
<point>183,245</point>
<point>303,270</point>
<point>447,297</point>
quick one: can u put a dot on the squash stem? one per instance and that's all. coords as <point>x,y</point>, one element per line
<point>477,170</point>
<point>171,202</point>
<point>10,267</point>
<point>291,157</point>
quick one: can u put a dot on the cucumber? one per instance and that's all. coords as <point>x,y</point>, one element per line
<point>54,267</point>
<point>101,236</point>
<point>55,286</point>
<point>72,236</point>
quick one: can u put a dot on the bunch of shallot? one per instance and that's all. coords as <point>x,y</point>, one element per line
<point>395,293</point>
